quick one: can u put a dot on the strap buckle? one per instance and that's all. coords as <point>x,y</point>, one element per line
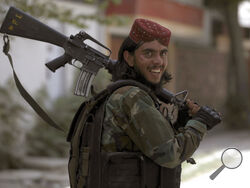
<point>6,46</point>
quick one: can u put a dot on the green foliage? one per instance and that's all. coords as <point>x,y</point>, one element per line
<point>11,116</point>
<point>51,10</point>
<point>103,2</point>
<point>44,140</point>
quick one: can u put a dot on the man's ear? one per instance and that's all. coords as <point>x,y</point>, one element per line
<point>128,58</point>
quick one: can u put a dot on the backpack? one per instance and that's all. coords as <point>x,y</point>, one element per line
<point>85,133</point>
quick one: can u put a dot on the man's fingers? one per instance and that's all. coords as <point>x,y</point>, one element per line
<point>193,108</point>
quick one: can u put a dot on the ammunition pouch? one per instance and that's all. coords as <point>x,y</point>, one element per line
<point>135,170</point>
<point>121,169</point>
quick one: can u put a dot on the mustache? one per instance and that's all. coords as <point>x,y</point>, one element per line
<point>156,67</point>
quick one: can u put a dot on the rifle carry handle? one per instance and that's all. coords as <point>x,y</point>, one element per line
<point>60,61</point>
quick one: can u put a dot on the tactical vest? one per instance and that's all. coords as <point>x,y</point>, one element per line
<point>90,167</point>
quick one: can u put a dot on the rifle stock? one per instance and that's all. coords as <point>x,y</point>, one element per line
<point>19,23</point>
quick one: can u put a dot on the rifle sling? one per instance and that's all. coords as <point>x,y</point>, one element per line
<point>28,98</point>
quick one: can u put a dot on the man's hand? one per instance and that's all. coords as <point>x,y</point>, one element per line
<point>203,114</point>
<point>193,107</point>
<point>185,114</point>
<point>208,116</point>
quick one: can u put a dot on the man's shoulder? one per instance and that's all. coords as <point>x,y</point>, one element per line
<point>125,89</point>
<point>130,92</point>
<point>130,95</point>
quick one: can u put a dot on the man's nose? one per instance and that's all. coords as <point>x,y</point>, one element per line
<point>158,60</point>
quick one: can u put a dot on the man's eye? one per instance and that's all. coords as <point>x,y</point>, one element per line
<point>148,54</point>
<point>164,53</point>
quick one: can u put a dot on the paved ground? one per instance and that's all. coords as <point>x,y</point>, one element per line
<point>208,158</point>
<point>52,173</point>
<point>40,173</point>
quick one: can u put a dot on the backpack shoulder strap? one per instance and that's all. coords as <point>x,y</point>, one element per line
<point>75,121</point>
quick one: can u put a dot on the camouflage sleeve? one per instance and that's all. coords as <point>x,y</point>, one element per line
<point>150,131</point>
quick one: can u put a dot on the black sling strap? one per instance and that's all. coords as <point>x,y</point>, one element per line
<point>37,108</point>
<point>24,93</point>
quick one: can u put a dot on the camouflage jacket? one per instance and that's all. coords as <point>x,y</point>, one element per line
<point>133,123</point>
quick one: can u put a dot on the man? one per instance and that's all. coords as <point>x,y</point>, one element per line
<point>139,146</point>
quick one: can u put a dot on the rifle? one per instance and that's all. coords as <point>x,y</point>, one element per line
<point>18,23</point>
<point>21,24</point>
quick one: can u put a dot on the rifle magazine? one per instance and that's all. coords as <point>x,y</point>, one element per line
<point>84,83</point>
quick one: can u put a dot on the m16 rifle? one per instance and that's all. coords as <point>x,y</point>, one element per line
<point>21,24</point>
<point>18,23</point>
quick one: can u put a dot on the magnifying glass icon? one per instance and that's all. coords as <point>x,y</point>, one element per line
<point>231,158</point>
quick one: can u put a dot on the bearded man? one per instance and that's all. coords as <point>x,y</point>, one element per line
<point>139,146</point>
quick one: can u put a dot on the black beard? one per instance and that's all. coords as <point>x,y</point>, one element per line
<point>141,78</point>
<point>122,71</point>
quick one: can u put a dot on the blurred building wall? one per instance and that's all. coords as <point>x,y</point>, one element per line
<point>198,47</point>
<point>184,20</point>
<point>203,72</point>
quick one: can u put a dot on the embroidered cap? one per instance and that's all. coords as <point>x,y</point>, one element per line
<point>146,30</point>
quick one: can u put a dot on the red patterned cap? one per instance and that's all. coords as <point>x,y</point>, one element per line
<point>146,30</point>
